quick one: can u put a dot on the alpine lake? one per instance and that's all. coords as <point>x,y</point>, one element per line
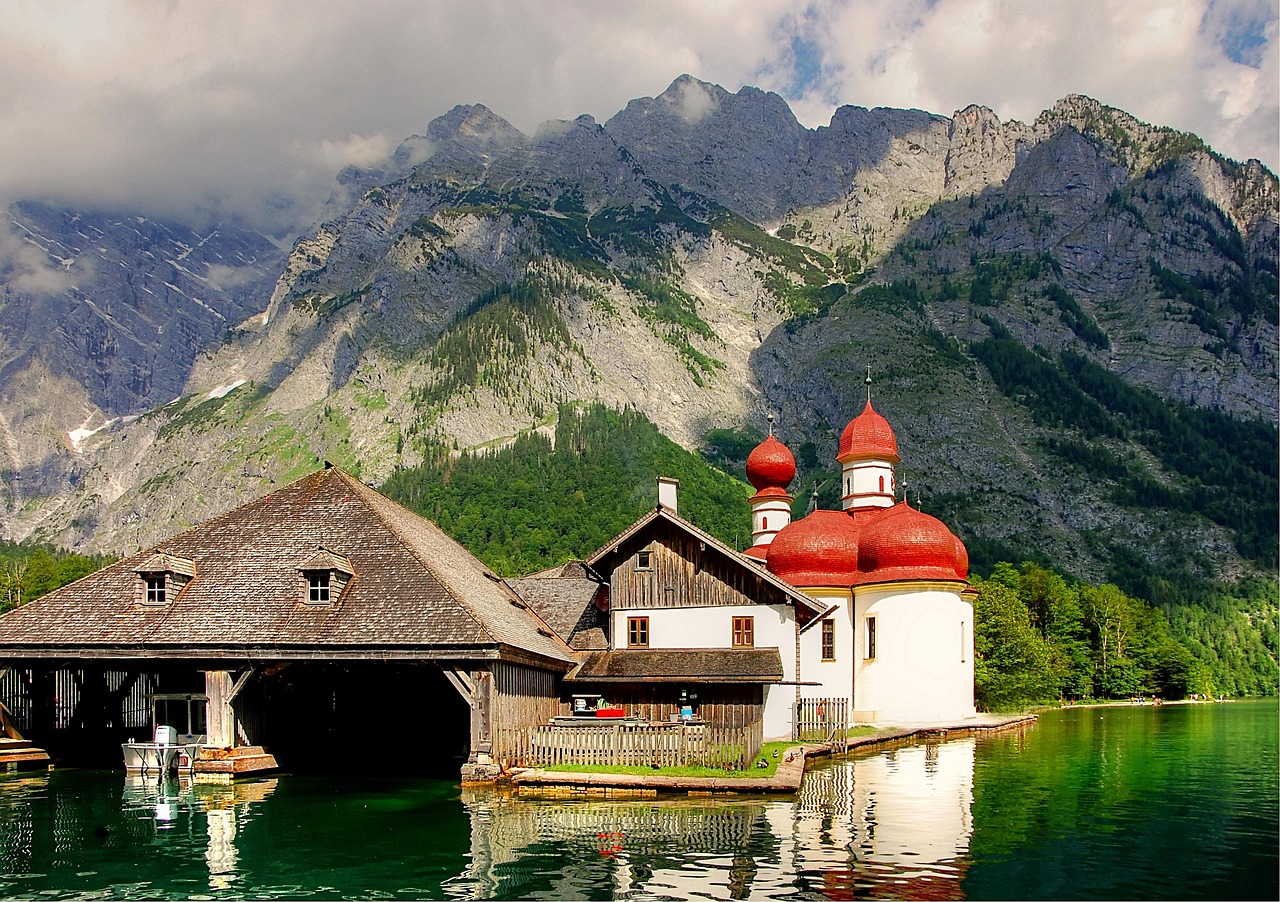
<point>1142,802</point>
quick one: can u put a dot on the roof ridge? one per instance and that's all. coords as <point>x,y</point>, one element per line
<point>375,501</point>
<point>365,491</point>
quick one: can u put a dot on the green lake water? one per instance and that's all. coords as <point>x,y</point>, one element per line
<point>1172,802</point>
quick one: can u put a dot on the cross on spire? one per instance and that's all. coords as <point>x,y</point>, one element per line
<point>868,383</point>
<point>769,417</point>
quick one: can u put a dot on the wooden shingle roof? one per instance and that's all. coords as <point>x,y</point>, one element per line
<point>415,592</point>
<point>680,665</point>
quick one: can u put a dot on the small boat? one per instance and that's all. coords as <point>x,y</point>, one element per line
<point>178,733</point>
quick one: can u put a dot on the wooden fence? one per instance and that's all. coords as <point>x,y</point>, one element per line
<point>624,743</point>
<point>822,719</point>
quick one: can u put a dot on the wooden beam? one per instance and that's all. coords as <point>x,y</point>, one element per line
<point>240,683</point>
<point>220,718</point>
<point>464,689</point>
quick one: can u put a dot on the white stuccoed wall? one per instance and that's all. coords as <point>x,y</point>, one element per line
<point>775,626</point>
<point>923,671</point>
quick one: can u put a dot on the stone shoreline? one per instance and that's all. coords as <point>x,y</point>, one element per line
<point>538,783</point>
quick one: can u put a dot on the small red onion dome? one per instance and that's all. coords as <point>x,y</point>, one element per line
<point>906,544</point>
<point>818,550</point>
<point>868,435</point>
<point>771,465</point>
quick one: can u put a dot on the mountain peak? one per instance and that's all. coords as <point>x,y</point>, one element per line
<point>474,125</point>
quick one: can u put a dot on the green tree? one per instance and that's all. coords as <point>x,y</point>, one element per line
<point>1013,665</point>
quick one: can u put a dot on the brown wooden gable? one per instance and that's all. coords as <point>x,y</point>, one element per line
<point>686,568</point>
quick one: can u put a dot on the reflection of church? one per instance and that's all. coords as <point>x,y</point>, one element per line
<point>901,822</point>
<point>893,825</point>
<point>894,578</point>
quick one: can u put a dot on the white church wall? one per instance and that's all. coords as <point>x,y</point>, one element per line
<point>922,671</point>
<point>834,677</point>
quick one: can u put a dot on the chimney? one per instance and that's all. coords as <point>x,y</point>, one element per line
<point>667,489</point>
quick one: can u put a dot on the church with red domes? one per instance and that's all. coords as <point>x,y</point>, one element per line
<point>864,610</point>
<point>893,580</point>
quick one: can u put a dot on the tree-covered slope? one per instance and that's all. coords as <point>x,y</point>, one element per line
<point>544,499</point>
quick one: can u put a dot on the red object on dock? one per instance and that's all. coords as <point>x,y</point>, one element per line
<point>611,712</point>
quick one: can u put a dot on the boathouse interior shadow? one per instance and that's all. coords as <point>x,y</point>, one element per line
<point>315,717</point>
<point>321,717</point>
<point>81,715</point>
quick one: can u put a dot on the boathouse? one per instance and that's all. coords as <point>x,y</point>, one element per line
<point>323,622</point>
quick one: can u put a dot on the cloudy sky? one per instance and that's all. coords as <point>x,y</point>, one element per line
<point>249,107</point>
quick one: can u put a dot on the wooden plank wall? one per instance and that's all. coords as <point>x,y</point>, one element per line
<point>626,744</point>
<point>43,700</point>
<point>724,706</point>
<point>523,698</point>
<point>682,573</point>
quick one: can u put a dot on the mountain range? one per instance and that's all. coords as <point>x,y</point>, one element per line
<point>1071,323</point>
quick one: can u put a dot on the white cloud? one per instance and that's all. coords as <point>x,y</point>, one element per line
<point>1161,60</point>
<point>250,108</point>
<point>29,268</point>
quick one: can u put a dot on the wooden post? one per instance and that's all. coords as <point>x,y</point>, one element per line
<point>221,718</point>
<point>481,712</point>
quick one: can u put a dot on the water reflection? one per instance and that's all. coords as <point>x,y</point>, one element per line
<point>894,824</point>
<point>168,800</point>
<point>1086,805</point>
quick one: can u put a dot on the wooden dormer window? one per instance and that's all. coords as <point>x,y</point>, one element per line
<point>162,577</point>
<point>324,576</point>
<point>644,560</point>
<point>318,582</point>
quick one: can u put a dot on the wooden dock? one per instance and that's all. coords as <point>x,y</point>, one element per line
<point>787,779</point>
<point>220,765</point>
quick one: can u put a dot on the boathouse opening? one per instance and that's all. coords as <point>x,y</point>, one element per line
<point>82,714</point>
<point>313,716</point>
<point>359,715</point>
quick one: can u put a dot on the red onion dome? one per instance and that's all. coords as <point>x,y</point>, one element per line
<point>818,550</point>
<point>905,544</point>
<point>771,465</point>
<point>962,558</point>
<point>868,435</point>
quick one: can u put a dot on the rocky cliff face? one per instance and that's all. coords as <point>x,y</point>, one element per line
<point>701,257</point>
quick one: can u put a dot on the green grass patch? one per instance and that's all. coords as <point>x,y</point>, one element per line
<point>766,755</point>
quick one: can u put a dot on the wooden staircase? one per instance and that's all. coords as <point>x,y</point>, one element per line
<point>17,753</point>
<point>21,754</point>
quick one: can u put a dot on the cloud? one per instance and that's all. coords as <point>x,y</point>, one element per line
<point>695,102</point>
<point>224,277</point>
<point>28,268</point>
<point>1168,62</point>
<point>247,109</point>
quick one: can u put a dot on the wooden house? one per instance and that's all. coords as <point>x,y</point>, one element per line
<point>696,628</point>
